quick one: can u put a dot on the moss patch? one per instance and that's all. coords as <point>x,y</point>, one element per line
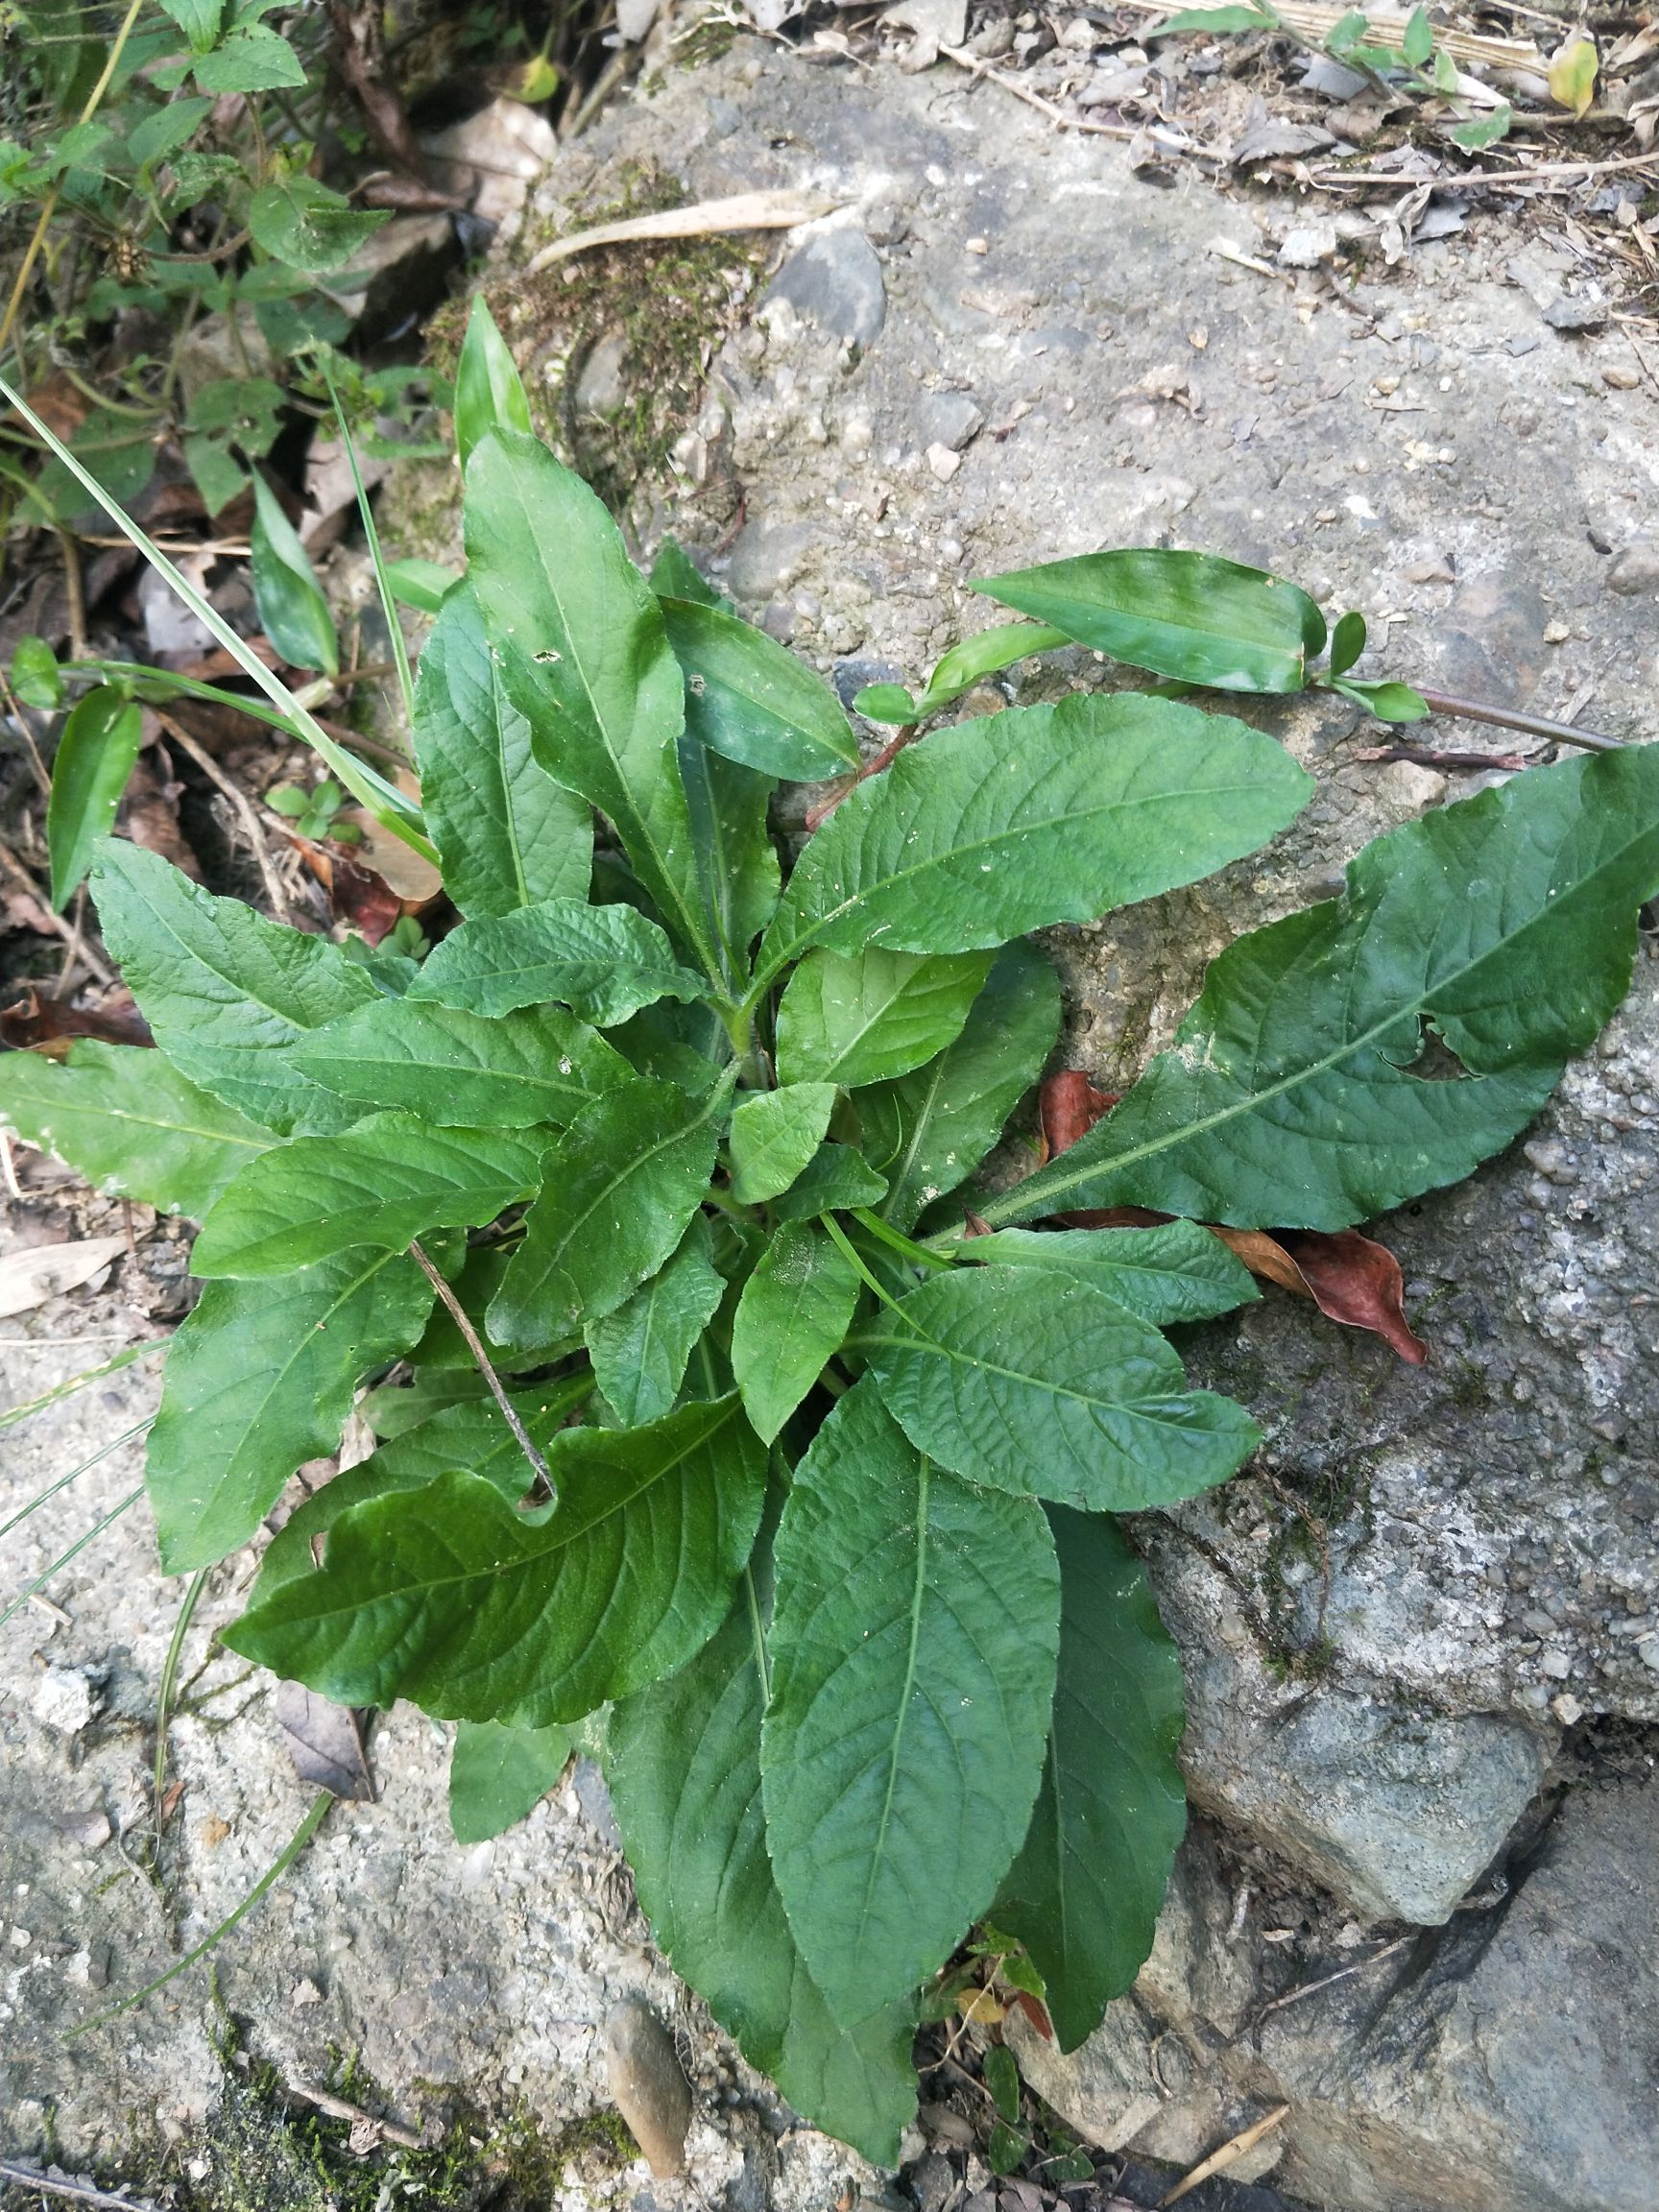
<point>644,318</point>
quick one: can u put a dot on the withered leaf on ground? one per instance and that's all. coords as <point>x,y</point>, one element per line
<point>29,1277</point>
<point>51,1026</point>
<point>1352,1279</point>
<point>325,1742</point>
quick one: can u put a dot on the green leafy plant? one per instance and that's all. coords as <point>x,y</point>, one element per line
<point>724,1416</point>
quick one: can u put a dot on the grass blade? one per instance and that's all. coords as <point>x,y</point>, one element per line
<point>383,800</point>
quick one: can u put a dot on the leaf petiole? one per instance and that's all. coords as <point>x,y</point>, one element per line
<point>906,1248</point>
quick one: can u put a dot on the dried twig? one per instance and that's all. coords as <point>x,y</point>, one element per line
<point>475,1345</point>
<point>1311,1988</point>
<point>1230,2152</point>
<point>74,593</point>
<point>54,2182</point>
<point>14,868</point>
<point>1166,141</point>
<point>706,219</point>
<point>342,2109</point>
<point>244,807</point>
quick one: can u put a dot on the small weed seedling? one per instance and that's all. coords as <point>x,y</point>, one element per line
<point>731,1422</point>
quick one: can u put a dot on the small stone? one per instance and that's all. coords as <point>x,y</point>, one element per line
<point>64,1699</point>
<point>1306,246</point>
<point>942,461</point>
<point>948,418</point>
<point>1648,1651</point>
<point>1576,315</point>
<point>837,281</point>
<point>1434,568</point>
<point>976,246</point>
<point>600,388</point>
<point>1635,572</point>
<point>1523,342</point>
<point>1557,633</point>
<point>1556,1664</point>
<point>1619,377</point>
<point>1566,1709</point>
<point>645,2079</point>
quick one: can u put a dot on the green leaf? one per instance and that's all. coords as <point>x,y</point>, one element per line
<point>498,1775</point>
<point>452,1597</point>
<point>1388,701</point>
<point>391,1178</point>
<point>1348,638</point>
<point>1006,2149</point>
<point>1191,616</point>
<point>685,1773</point>
<point>639,1352</point>
<point>1041,814</point>
<point>35,676</point>
<point>1485,129</point>
<point>1418,42</point>
<point>297,220</point>
<point>603,962</point>
<point>471,1437</point>
<point>791,1321</point>
<point>875,1015</point>
<point>507,835</point>
<point>834,1179</point>
<point>1216,21</point>
<point>1047,1387</point>
<point>1503,925</point>
<point>1175,1273</point>
<point>166,130</point>
<point>929,1131</point>
<point>913,1655</point>
<point>488,391</point>
<point>585,659</point>
<point>422,585</point>
<point>749,699</point>
<point>885,702</point>
<point>124,1118</point>
<point>1002,2080</point>
<point>1084,1893</point>
<point>480,1278</point>
<point>974,659</point>
<point>90,772</point>
<point>224,991</point>
<point>1445,73</point>
<point>618,1188</point>
<point>199,21</point>
<point>736,864</point>
<point>774,1135</point>
<point>290,600</point>
<point>463,1069</point>
<point>214,470</point>
<point>675,575</point>
<point>260,1377</point>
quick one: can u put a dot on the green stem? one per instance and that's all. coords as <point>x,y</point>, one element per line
<point>122,1358</point>
<point>851,1253</point>
<point>164,1693</point>
<point>75,1473</point>
<point>906,1248</point>
<point>301,1835</point>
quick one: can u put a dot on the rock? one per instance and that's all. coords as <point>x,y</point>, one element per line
<point>601,387</point>
<point>494,156</point>
<point>1306,246</point>
<point>766,559</point>
<point>1634,573</point>
<point>948,418</point>
<point>65,1700</point>
<point>942,461</point>
<point>1396,1810</point>
<point>836,279</point>
<point>646,2080</point>
<point>1107,2088</point>
<point>1577,314</point>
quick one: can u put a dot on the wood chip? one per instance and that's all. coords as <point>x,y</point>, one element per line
<point>1229,2153</point>
<point>41,1271</point>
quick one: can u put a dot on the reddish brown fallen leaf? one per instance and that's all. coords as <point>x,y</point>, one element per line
<point>1069,1106</point>
<point>1358,1282</point>
<point>150,816</point>
<point>365,899</point>
<point>1428,757</point>
<point>1036,2011</point>
<point>51,1026</point>
<point>1352,1279</point>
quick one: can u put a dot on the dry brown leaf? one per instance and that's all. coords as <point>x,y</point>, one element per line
<point>29,1278</point>
<point>325,1742</point>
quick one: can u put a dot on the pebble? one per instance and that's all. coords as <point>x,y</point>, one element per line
<point>645,2080</point>
<point>943,461</point>
<point>837,281</point>
<point>950,418</point>
<point>1635,572</point>
<point>1573,315</point>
